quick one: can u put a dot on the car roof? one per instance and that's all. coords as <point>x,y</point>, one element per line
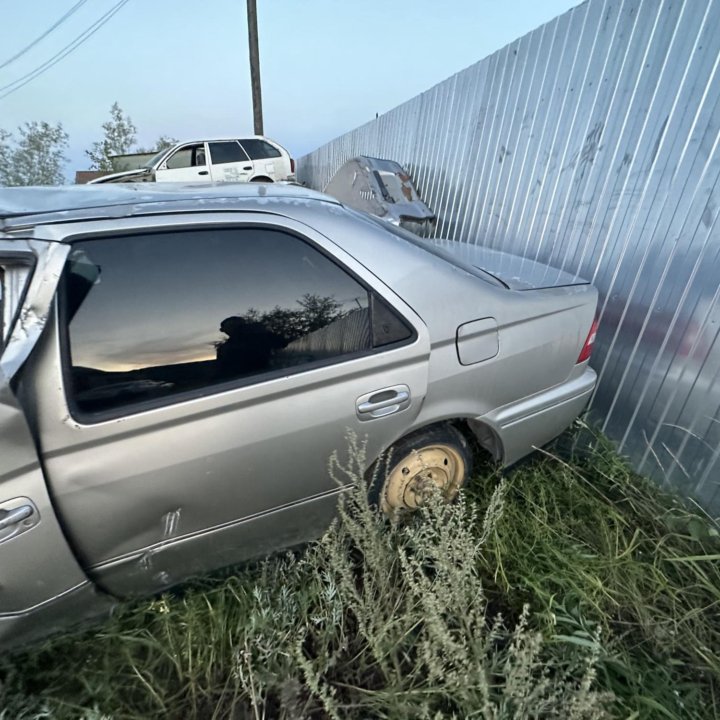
<point>27,206</point>
<point>224,138</point>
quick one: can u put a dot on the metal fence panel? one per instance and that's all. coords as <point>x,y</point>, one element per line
<point>592,144</point>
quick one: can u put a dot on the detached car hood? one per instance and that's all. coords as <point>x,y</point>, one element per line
<point>516,272</point>
<point>139,175</point>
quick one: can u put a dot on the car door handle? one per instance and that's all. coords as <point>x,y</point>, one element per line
<point>203,172</point>
<point>395,399</point>
<point>248,167</point>
<point>15,516</point>
<point>383,402</point>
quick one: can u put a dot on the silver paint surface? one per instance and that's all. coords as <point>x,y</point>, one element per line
<point>144,500</point>
<point>591,145</point>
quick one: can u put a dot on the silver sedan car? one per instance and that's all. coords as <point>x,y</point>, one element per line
<point>177,366</point>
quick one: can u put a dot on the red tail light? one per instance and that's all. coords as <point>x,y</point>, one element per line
<point>589,343</point>
<point>292,166</point>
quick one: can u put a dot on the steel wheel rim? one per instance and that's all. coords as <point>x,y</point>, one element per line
<point>439,466</point>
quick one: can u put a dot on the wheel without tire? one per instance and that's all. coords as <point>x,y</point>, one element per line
<point>435,458</point>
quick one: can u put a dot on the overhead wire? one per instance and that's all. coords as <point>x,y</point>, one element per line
<point>60,55</point>
<point>57,24</point>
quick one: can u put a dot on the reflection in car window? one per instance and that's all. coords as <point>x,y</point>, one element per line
<point>259,149</point>
<point>226,152</point>
<point>169,313</point>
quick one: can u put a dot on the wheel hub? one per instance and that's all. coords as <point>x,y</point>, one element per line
<point>418,474</point>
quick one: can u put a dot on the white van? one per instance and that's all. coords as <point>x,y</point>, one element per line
<point>248,159</point>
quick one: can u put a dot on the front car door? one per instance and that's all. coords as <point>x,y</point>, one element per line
<point>189,163</point>
<point>228,162</point>
<point>40,579</point>
<point>189,398</point>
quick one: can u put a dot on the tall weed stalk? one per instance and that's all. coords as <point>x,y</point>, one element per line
<point>376,620</point>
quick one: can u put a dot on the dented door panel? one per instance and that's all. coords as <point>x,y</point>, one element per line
<point>37,567</point>
<point>182,488</point>
<point>15,275</point>
<point>36,564</point>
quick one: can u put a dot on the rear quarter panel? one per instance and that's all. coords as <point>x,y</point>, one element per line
<point>540,332</point>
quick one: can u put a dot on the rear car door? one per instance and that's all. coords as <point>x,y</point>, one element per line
<point>268,161</point>
<point>189,163</point>
<point>198,375</point>
<point>38,571</point>
<point>229,162</point>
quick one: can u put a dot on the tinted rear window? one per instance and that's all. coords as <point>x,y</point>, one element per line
<point>226,152</point>
<point>260,150</point>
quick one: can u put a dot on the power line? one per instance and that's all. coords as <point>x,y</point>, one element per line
<point>70,47</point>
<point>70,12</point>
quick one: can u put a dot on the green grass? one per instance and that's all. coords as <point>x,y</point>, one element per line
<point>593,546</point>
<point>568,589</point>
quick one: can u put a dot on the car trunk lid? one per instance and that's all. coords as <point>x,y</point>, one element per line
<point>515,272</point>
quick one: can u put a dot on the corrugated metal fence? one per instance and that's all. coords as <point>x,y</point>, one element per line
<point>592,144</point>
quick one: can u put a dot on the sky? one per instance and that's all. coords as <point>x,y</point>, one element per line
<point>180,67</point>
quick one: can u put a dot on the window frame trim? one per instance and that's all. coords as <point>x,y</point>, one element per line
<point>96,418</point>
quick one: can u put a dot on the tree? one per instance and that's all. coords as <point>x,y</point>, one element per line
<point>319,311</point>
<point>5,151</point>
<point>36,157</point>
<point>119,139</point>
<point>315,312</point>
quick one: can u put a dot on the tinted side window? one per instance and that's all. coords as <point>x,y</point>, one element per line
<point>226,152</point>
<point>387,326</point>
<point>260,150</point>
<point>153,316</point>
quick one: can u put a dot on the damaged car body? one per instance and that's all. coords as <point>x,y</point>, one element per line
<point>382,188</point>
<point>177,366</point>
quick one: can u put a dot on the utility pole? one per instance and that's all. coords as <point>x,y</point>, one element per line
<point>255,66</point>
